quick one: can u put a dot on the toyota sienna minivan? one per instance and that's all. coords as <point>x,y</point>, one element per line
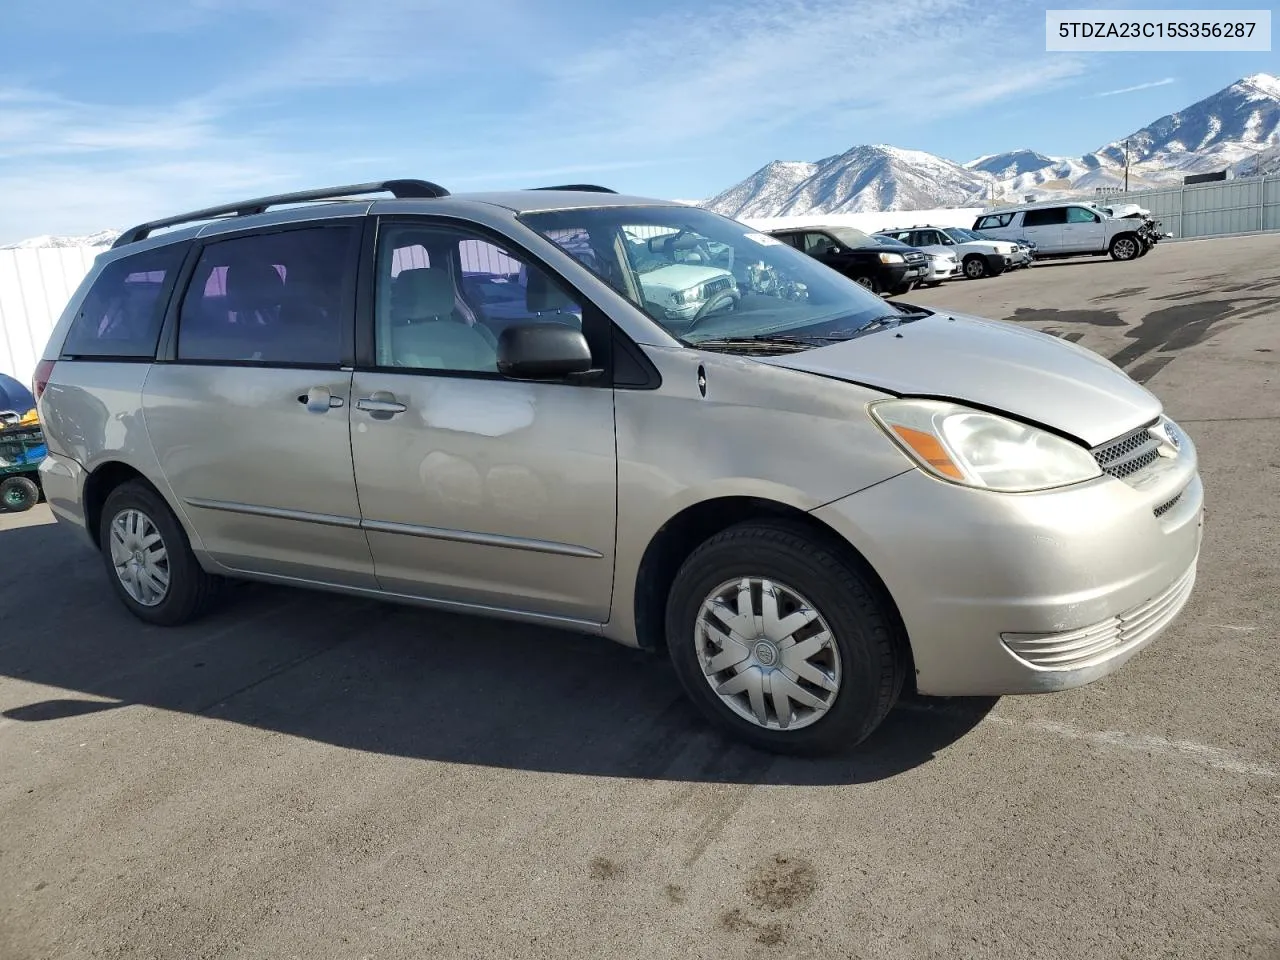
<point>503,404</point>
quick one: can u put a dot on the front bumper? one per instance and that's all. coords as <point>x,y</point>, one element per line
<point>942,270</point>
<point>999,262</point>
<point>1029,593</point>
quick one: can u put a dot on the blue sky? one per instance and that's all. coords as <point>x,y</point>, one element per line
<point>112,111</point>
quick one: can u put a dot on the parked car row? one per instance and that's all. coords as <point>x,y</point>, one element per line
<point>925,255</point>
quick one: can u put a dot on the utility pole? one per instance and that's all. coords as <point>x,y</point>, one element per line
<point>1126,166</point>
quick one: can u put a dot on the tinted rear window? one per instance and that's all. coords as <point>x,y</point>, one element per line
<point>277,298</point>
<point>121,316</point>
<point>1045,218</point>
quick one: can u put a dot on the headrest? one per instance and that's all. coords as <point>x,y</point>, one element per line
<point>541,295</point>
<point>253,281</point>
<point>422,292</point>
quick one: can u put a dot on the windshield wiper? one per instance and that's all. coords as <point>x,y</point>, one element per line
<point>760,340</point>
<point>800,340</point>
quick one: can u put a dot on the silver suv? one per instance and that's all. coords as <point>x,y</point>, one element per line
<point>631,418</point>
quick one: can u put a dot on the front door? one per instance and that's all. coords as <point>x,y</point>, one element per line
<point>1084,231</point>
<point>248,414</point>
<point>476,489</point>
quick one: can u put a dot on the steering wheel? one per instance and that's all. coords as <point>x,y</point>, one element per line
<point>719,301</point>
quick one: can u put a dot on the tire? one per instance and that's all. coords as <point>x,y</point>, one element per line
<point>1146,248</point>
<point>189,590</point>
<point>975,267</point>
<point>871,283</point>
<point>865,658</point>
<point>1125,247</point>
<point>18,494</point>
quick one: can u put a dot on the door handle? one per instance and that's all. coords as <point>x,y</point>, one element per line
<point>381,405</point>
<point>319,400</point>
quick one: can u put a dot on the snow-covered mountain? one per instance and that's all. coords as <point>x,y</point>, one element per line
<point>869,177</point>
<point>1011,163</point>
<point>103,238</point>
<point>1223,131</point>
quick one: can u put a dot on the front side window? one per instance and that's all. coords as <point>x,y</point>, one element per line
<point>123,312</point>
<point>816,244</point>
<point>1081,215</point>
<point>703,276</point>
<point>275,298</point>
<point>444,296</point>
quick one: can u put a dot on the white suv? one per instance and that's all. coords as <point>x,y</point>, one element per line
<point>979,256</point>
<point>1072,229</point>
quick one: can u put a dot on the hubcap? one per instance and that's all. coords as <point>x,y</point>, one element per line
<point>767,653</point>
<point>139,556</point>
<point>1125,248</point>
<point>14,498</point>
<point>973,268</point>
<point>866,282</point>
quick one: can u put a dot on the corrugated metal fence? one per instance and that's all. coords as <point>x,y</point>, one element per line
<point>1219,209</point>
<point>35,285</point>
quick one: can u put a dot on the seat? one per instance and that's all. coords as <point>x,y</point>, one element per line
<point>425,330</point>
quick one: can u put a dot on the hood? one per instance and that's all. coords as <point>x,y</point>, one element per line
<point>678,277</point>
<point>992,364</point>
<point>996,246</point>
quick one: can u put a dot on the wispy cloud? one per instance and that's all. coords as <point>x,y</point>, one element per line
<point>475,93</point>
<point>1136,87</point>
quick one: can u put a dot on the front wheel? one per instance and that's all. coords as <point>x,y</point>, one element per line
<point>1125,247</point>
<point>975,267</point>
<point>781,641</point>
<point>18,494</point>
<point>869,282</point>
<point>149,560</point>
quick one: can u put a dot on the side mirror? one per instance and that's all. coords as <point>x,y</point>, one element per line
<point>543,351</point>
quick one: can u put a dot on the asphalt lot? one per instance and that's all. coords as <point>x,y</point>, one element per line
<point>308,776</point>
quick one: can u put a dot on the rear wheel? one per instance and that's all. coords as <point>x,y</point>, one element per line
<point>975,267</point>
<point>18,494</point>
<point>149,560</point>
<point>782,641</point>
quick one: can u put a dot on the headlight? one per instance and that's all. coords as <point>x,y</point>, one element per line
<point>692,295</point>
<point>980,449</point>
<point>892,258</point>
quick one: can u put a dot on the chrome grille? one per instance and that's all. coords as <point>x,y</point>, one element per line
<point>712,287</point>
<point>1128,454</point>
<point>1168,505</point>
<point>1073,649</point>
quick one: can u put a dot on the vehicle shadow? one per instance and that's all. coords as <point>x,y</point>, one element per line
<point>398,680</point>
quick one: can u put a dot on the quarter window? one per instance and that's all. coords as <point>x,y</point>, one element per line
<point>277,298</point>
<point>993,221</point>
<point>122,314</point>
<point>444,297</point>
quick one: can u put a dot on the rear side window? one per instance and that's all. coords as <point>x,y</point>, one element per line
<point>276,298</point>
<point>993,221</point>
<point>121,316</point>
<point>1044,218</point>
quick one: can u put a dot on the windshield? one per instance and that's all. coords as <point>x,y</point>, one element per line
<point>703,276</point>
<point>851,237</point>
<point>960,235</point>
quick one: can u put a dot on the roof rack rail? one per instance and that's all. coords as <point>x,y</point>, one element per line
<point>578,187</point>
<point>401,189</point>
